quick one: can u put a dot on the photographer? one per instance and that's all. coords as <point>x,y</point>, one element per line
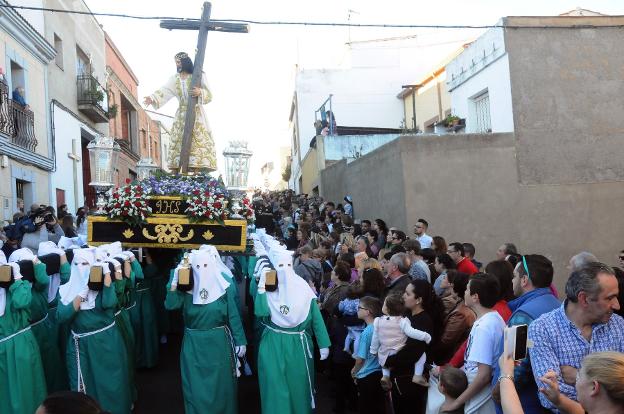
<point>47,228</point>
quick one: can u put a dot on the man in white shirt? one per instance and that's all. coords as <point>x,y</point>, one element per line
<point>420,230</point>
<point>483,346</point>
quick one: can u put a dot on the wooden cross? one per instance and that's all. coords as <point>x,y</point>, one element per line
<point>203,26</point>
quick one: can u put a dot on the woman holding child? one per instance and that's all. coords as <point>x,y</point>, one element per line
<point>423,309</point>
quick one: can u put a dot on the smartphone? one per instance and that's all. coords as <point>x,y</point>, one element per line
<point>516,341</point>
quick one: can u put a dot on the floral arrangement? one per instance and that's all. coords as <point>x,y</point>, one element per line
<point>207,199</point>
<point>205,205</point>
<point>168,184</point>
<point>247,211</point>
<point>128,204</point>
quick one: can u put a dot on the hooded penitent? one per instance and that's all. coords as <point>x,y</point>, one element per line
<point>67,243</point>
<point>55,279</point>
<point>215,255</point>
<point>21,254</point>
<point>290,303</point>
<point>208,283</point>
<point>79,279</point>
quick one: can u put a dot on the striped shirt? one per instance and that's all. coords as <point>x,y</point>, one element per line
<point>557,341</point>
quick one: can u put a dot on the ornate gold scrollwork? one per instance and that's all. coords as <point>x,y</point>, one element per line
<point>208,235</point>
<point>168,233</point>
<point>128,233</point>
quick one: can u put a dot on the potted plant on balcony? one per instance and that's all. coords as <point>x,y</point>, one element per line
<point>451,120</point>
<point>112,111</point>
<point>96,94</point>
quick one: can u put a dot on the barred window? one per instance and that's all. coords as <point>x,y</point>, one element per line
<point>483,121</point>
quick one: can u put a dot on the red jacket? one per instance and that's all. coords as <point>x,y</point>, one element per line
<point>466,266</point>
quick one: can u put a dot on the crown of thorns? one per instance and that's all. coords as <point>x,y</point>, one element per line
<point>181,55</point>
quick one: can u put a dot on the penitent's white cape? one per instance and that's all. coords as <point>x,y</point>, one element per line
<point>290,303</point>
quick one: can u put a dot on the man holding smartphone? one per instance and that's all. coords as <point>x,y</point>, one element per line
<point>583,324</point>
<point>531,283</point>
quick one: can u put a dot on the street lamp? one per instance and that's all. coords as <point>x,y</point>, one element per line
<point>146,168</point>
<point>237,165</point>
<point>237,157</point>
<point>103,156</point>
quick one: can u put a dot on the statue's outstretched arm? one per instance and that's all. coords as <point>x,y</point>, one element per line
<point>164,94</point>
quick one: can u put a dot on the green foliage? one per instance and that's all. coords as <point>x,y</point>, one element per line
<point>287,172</point>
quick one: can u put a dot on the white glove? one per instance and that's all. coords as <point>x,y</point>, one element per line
<point>174,280</point>
<point>324,353</point>
<point>241,350</point>
<point>262,282</point>
<point>16,271</point>
<point>84,293</point>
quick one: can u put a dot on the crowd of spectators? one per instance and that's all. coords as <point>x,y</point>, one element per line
<point>39,224</point>
<point>366,272</point>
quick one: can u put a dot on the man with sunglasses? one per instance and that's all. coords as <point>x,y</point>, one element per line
<point>531,284</point>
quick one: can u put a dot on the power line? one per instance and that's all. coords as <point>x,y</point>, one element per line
<point>317,24</point>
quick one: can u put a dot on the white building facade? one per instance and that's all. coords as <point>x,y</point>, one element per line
<point>26,149</point>
<point>480,87</point>
<point>77,95</point>
<point>363,91</point>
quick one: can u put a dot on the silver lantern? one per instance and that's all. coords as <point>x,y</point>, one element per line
<point>103,156</point>
<point>237,157</point>
<point>146,168</point>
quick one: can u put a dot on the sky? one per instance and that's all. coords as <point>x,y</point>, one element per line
<point>251,75</point>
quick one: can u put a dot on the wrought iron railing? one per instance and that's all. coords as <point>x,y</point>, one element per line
<point>16,121</point>
<point>90,92</point>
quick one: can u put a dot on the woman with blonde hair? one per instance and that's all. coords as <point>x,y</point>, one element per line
<point>599,386</point>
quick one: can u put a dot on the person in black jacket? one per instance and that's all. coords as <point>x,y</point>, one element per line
<point>424,313</point>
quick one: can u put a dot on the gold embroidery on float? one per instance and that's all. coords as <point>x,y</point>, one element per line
<point>168,233</point>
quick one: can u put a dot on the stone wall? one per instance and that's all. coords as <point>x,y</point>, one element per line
<point>468,188</point>
<point>567,96</point>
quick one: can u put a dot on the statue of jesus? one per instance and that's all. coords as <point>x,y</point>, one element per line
<point>203,156</point>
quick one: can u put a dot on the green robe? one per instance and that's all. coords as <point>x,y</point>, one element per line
<point>143,317</point>
<point>62,328</point>
<point>45,330</point>
<point>103,361</point>
<point>207,360</point>
<point>156,279</point>
<point>286,362</point>
<point>124,325</point>
<point>22,382</point>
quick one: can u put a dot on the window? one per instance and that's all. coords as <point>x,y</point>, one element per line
<point>483,122</point>
<point>19,193</point>
<point>17,78</point>
<point>58,46</point>
<point>83,63</point>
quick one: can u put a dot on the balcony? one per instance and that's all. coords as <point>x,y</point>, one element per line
<point>92,99</point>
<point>16,121</point>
